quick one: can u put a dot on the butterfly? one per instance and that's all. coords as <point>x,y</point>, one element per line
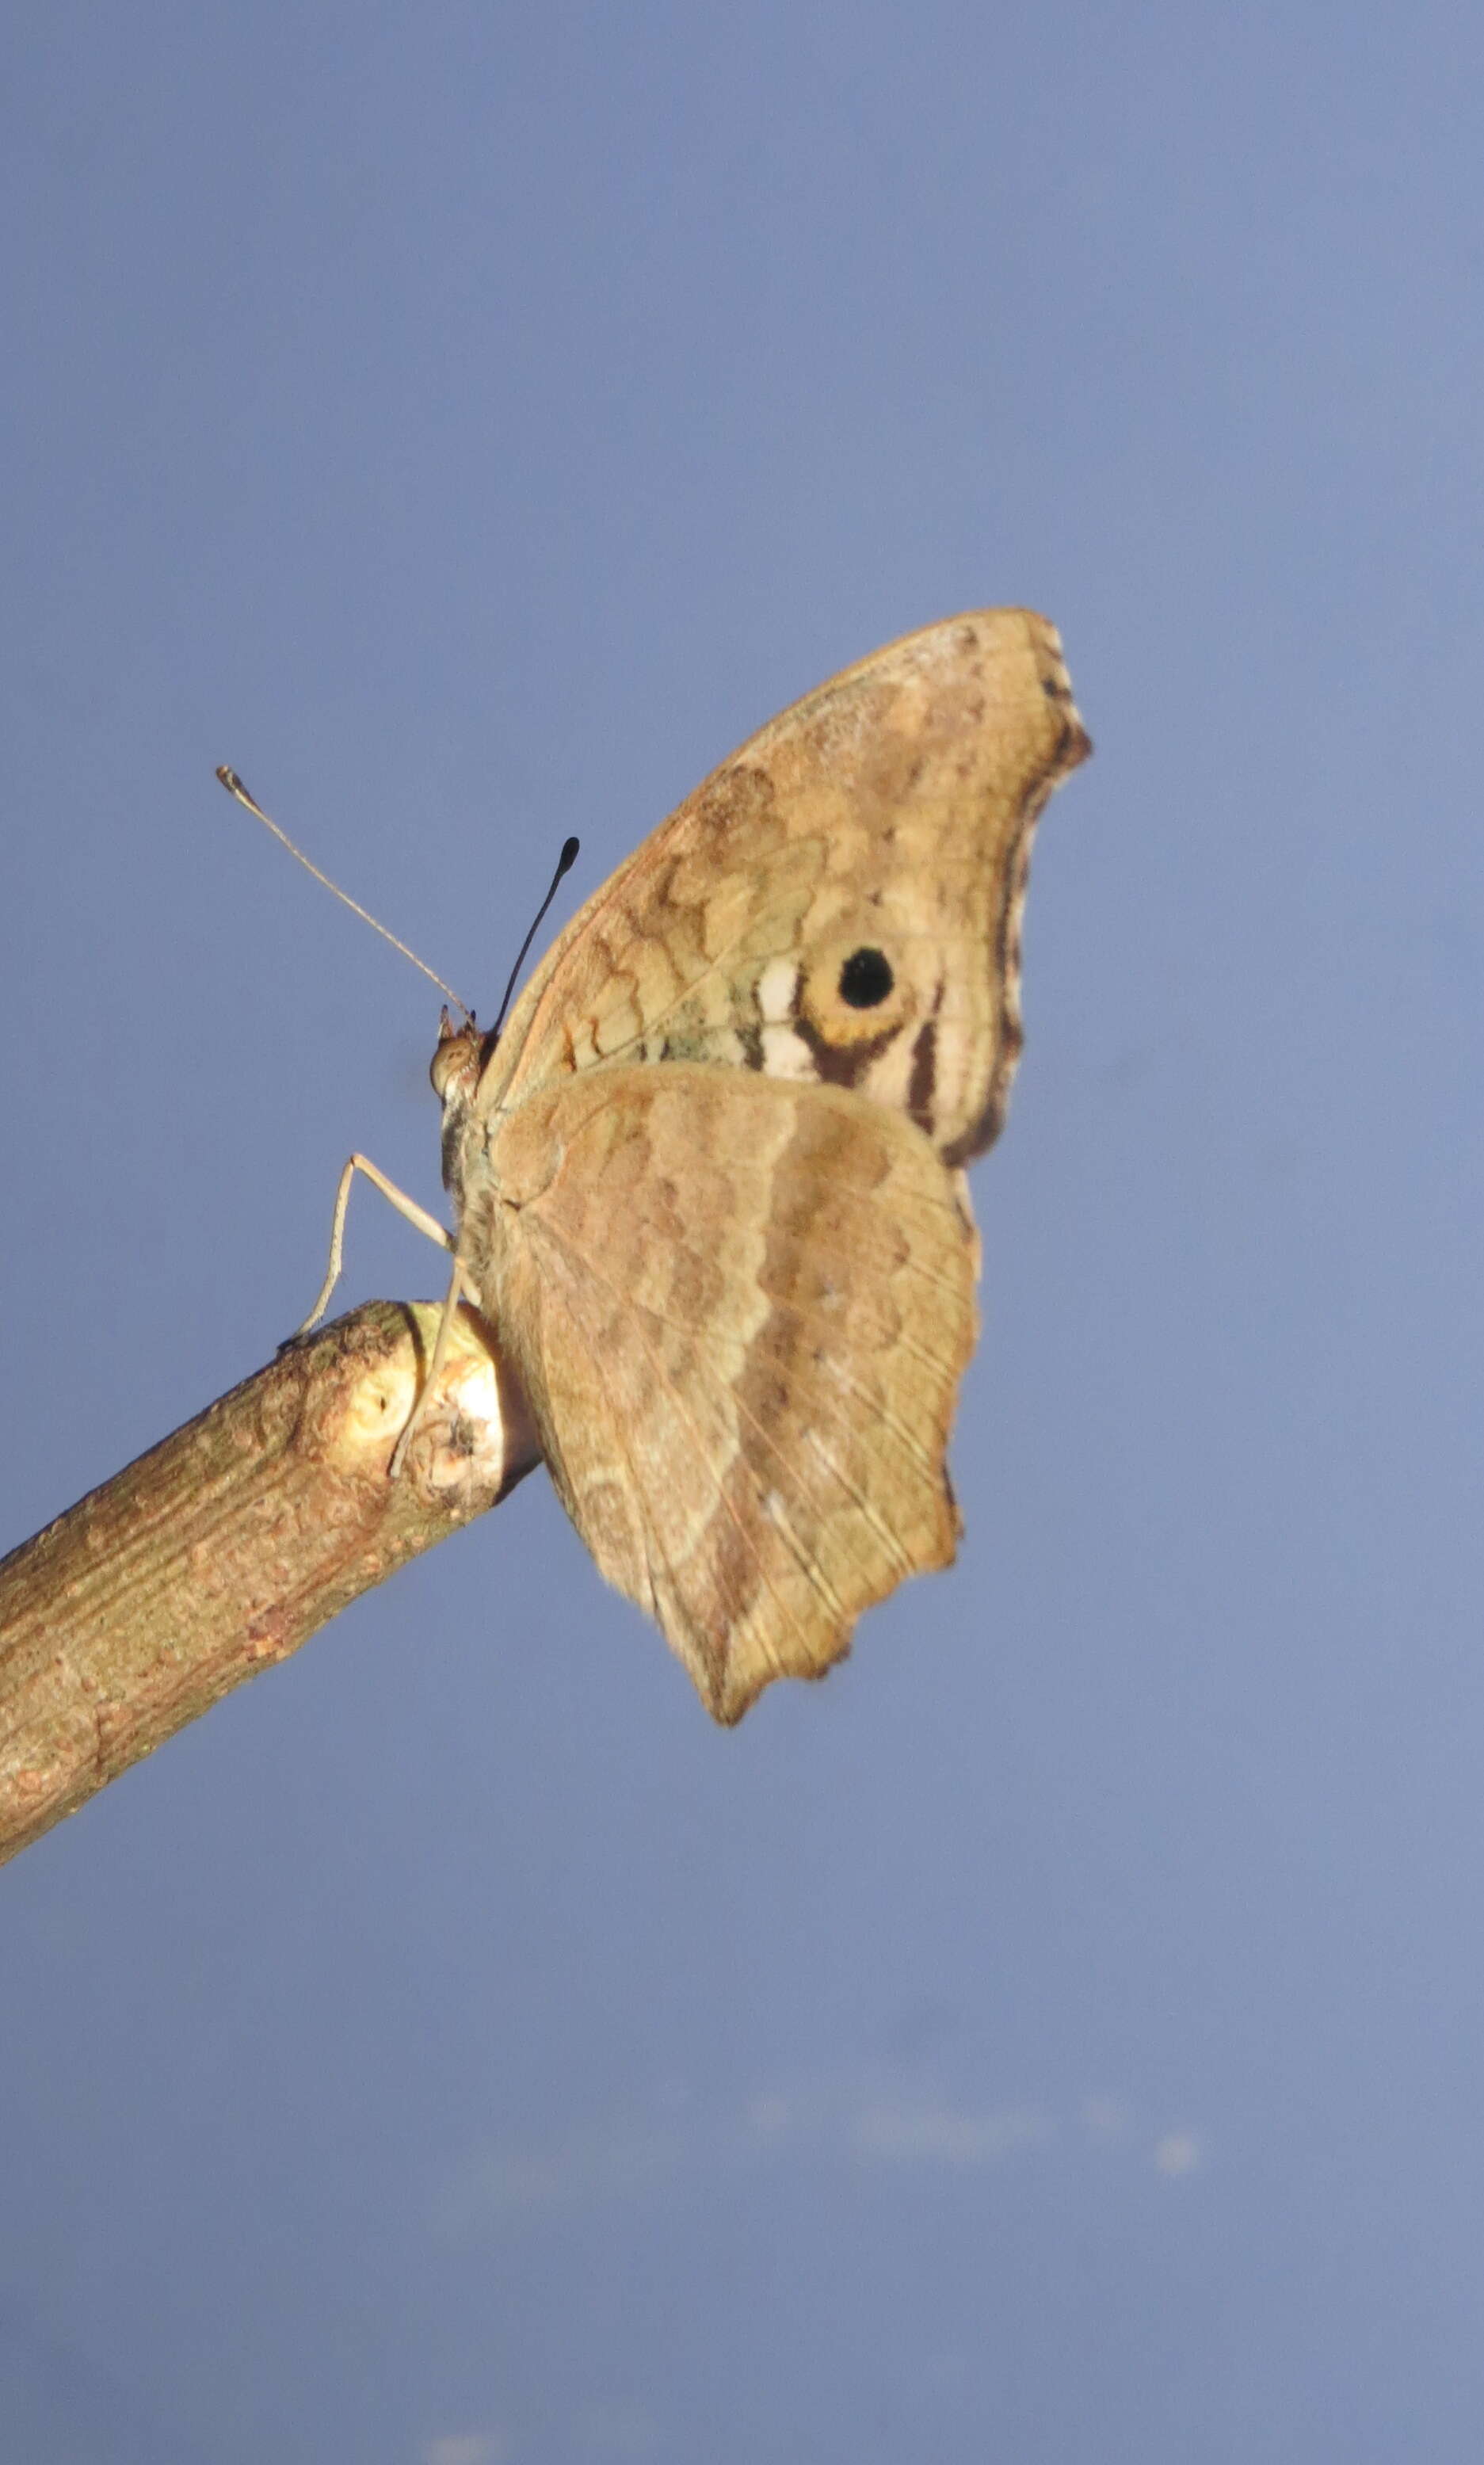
<point>708,1181</point>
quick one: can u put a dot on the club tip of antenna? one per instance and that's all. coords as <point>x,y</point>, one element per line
<point>234,785</point>
<point>570,850</point>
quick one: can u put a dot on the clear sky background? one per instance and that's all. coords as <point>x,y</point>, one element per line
<point>1058,2036</point>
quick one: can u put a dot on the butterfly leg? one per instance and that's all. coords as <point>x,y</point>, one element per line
<point>457,1289</point>
<point>404,1206</point>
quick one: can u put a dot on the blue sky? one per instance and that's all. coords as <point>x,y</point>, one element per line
<point>1059,2035</point>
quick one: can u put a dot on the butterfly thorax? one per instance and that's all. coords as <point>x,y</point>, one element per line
<point>454,1072</point>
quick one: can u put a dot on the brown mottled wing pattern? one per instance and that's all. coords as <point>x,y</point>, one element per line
<point>741,1309</point>
<point>738,1285</point>
<point>841,901</point>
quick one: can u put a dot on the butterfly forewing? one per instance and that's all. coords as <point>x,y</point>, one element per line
<point>840,901</point>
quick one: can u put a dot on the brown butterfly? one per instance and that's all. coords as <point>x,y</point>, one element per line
<point>708,1181</point>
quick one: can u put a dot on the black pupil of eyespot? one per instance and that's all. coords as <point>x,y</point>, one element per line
<point>866,979</point>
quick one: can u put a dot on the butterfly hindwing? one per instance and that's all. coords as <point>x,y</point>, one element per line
<point>741,1309</point>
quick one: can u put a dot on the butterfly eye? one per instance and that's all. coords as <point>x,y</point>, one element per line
<point>866,979</point>
<point>455,1064</point>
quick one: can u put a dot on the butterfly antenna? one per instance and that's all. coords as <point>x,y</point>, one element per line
<point>565,864</point>
<point>234,788</point>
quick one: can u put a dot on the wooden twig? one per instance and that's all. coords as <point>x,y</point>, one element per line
<point>225,1547</point>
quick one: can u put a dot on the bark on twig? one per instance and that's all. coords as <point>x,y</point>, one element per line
<point>226,1546</point>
